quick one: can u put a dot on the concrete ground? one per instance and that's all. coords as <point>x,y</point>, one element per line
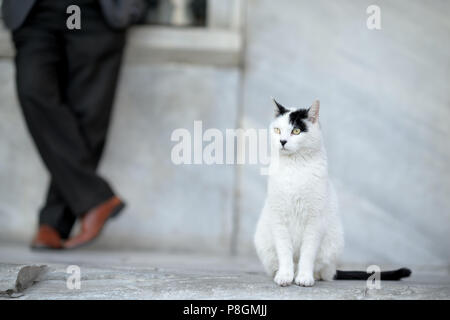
<point>152,275</point>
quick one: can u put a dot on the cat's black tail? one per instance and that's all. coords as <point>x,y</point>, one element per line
<point>362,275</point>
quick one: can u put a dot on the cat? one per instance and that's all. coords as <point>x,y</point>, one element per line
<point>299,235</point>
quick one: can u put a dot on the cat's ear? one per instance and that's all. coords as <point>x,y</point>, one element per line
<point>279,110</point>
<point>313,112</point>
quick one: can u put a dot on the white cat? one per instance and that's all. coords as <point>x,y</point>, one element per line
<point>299,233</point>
<point>299,236</point>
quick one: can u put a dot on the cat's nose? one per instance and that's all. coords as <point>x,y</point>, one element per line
<point>283,142</point>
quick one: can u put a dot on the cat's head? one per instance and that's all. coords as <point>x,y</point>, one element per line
<point>296,130</point>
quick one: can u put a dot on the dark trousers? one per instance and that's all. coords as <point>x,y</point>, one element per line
<point>66,80</point>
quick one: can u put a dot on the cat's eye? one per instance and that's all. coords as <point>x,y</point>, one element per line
<point>296,131</point>
<point>277,130</point>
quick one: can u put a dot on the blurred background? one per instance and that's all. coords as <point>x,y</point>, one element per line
<point>385,112</point>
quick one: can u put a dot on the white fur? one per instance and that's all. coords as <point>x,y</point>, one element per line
<point>299,234</point>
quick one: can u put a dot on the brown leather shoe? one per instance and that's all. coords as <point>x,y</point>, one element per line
<point>46,238</point>
<point>93,221</point>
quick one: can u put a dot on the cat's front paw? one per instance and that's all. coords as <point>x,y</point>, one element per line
<point>284,278</point>
<point>304,280</point>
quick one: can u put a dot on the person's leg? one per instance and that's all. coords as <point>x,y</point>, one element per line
<point>91,84</point>
<point>94,58</point>
<point>38,61</point>
<point>90,81</point>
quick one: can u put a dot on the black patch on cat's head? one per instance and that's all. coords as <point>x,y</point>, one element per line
<point>297,119</point>
<point>279,110</point>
